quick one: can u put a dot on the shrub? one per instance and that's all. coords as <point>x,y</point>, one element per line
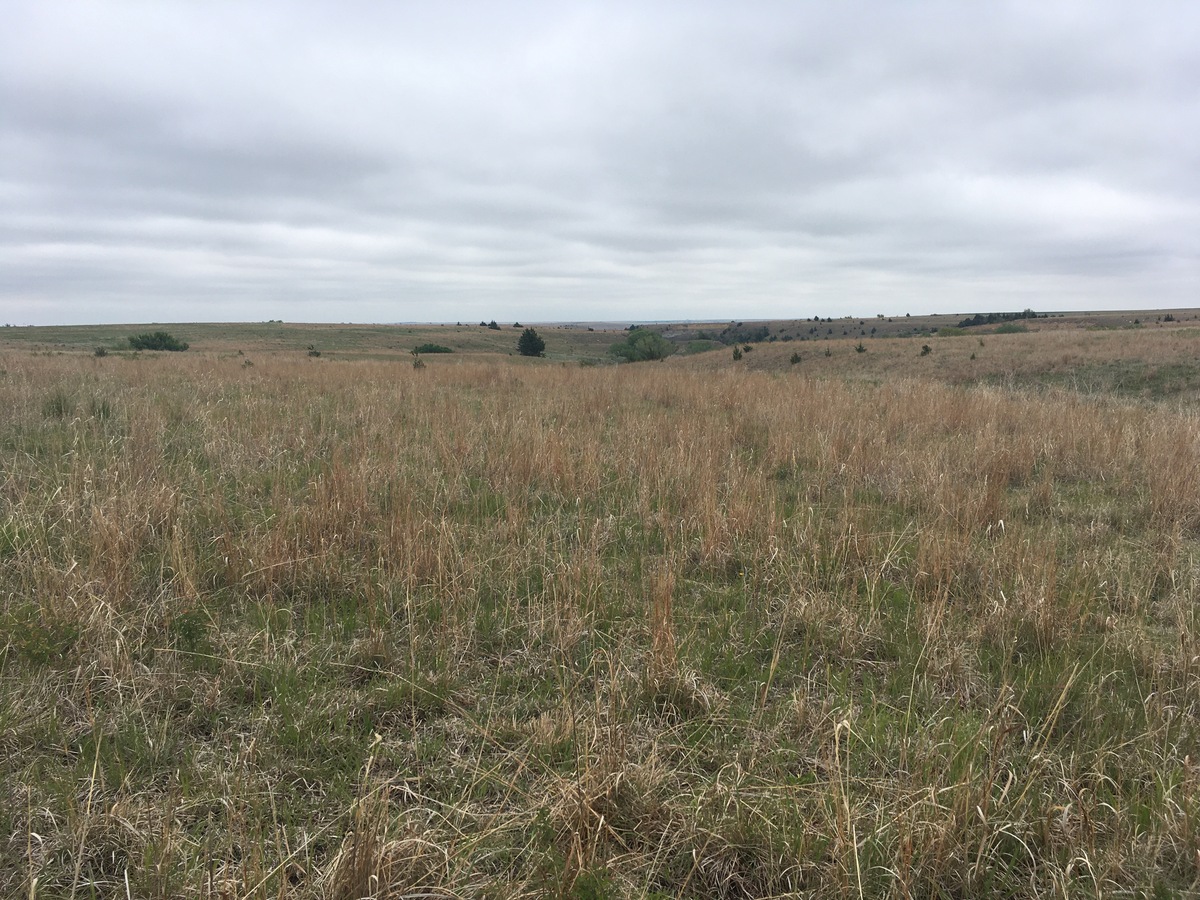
<point>737,353</point>
<point>795,358</point>
<point>641,345</point>
<point>860,348</point>
<point>159,340</point>
<point>493,326</point>
<point>100,351</point>
<point>432,348</point>
<point>531,344</point>
<point>926,349</point>
<point>1011,328</point>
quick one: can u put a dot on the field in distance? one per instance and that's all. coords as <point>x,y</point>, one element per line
<point>1149,354</point>
<point>863,623</point>
<point>346,342</point>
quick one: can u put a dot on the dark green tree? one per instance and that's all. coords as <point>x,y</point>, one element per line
<point>530,344</point>
<point>642,344</point>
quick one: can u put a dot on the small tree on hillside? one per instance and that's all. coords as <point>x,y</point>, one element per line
<point>530,344</point>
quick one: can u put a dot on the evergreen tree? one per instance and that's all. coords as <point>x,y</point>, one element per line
<point>530,344</point>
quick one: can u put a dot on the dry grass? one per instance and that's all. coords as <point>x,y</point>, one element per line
<point>1155,361</point>
<point>350,629</point>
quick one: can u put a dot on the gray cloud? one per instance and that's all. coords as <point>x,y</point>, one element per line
<point>543,161</point>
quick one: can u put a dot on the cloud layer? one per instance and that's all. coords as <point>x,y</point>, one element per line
<point>370,162</point>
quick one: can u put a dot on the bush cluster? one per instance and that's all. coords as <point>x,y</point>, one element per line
<point>993,318</point>
<point>159,340</point>
<point>744,334</point>
<point>642,344</point>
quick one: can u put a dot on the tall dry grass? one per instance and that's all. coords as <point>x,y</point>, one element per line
<point>344,630</point>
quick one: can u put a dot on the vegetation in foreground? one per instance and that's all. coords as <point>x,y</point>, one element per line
<point>351,629</point>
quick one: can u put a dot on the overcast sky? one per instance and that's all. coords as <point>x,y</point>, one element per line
<point>557,161</point>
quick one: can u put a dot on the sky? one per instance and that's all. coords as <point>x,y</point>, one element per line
<point>579,161</point>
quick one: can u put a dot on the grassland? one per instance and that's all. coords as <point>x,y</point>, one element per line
<point>339,342</point>
<point>876,623</point>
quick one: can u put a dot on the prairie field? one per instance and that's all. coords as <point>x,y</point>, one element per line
<point>876,623</point>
